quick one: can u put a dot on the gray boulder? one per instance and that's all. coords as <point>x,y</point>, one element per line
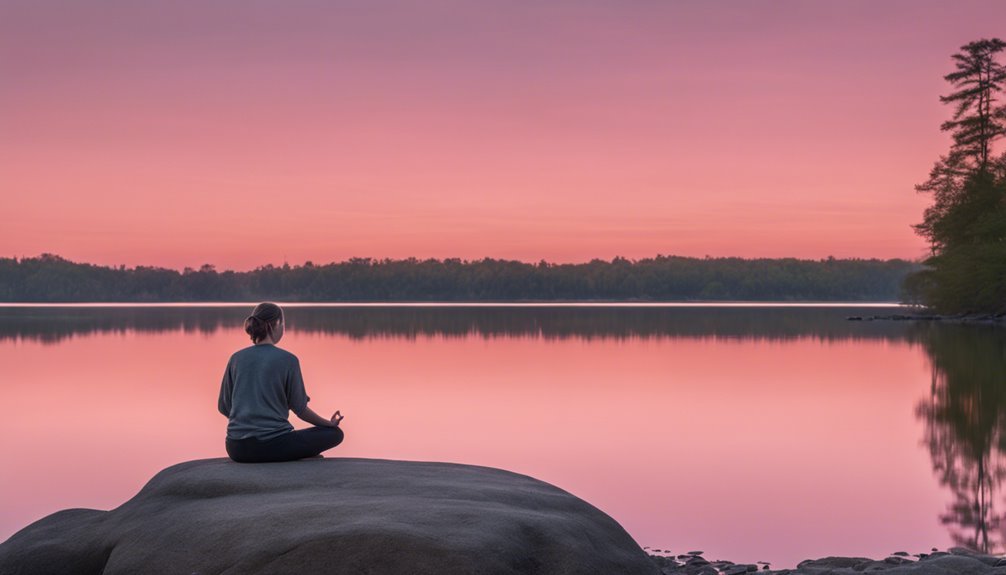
<point>331,516</point>
<point>961,562</point>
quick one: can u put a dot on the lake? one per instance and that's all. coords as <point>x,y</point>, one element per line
<point>751,432</point>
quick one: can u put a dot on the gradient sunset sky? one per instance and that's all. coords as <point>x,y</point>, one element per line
<point>240,133</point>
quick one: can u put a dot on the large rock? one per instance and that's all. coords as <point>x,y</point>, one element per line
<point>331,516</point>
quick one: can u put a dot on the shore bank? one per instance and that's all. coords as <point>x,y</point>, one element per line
<point>935,562</point>
<point>982,318</point>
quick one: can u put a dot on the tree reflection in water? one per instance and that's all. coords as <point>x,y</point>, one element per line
<point>965,415</point>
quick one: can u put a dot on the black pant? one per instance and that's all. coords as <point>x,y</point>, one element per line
<point>287,447</point>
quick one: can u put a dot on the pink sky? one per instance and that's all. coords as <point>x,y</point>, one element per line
<point>240,133</point>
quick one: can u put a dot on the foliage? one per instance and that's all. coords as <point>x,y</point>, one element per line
<point>966,224</point>
<point>50,278</point>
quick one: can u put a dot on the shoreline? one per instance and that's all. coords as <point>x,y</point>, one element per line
<point>963,318</point>
<point>953,560</point>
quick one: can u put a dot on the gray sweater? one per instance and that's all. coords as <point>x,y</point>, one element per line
<point>261,385</point>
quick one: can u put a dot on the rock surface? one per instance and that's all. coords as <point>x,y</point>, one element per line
<point>331,516</point>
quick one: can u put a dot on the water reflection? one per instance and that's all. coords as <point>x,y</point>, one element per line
<point>964,417</point>
<point>722,389</point>
<point>52,325</point>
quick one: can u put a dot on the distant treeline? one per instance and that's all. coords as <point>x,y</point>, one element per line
<point>50,278</point>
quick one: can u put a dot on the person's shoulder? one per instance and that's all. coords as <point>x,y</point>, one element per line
<point>289,356</point>
<point>244,351</point>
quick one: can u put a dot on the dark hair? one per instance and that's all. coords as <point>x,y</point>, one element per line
<point>262,320</point>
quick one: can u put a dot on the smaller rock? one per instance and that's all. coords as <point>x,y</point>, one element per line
<point>965,552</point>
<point>833,562</point>
<point>695,553</point>
<point>671,566</point>
<point>900,554</point>
<point>960,564</point>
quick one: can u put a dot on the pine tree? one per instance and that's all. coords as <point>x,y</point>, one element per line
<point>957,180</point>
<point>966,225</point>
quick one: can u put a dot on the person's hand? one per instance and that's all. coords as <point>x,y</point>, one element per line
<point>336,418</point>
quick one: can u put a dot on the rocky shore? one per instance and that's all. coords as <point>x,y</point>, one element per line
<point>349,515</point>
<point>955,561</point>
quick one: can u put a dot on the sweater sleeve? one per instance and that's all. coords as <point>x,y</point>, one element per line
<point>296,395</point>
<point>226,390</point>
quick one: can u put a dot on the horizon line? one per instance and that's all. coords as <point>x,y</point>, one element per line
<point>378,260</point>
<point>719,304</point>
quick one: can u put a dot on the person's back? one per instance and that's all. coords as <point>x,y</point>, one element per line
<point>261,385</point>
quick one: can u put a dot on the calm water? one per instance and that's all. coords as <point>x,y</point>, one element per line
<point>751,433</point>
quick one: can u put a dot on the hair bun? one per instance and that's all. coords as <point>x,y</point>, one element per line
<point>262,321</point>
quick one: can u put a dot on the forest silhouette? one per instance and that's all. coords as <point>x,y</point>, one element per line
<point>966,223</point>
<point>50,278</point>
